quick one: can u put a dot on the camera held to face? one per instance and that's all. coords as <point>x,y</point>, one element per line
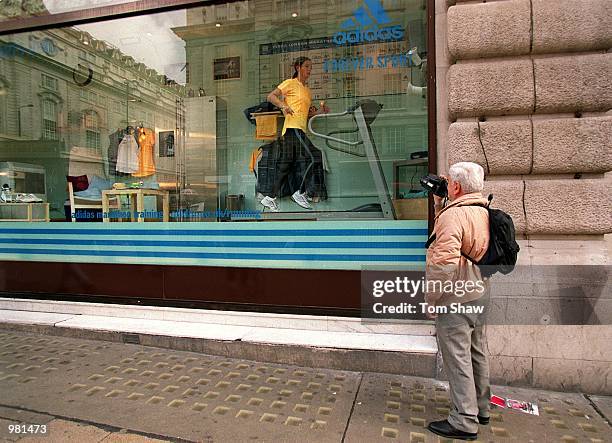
<point>435,184</point>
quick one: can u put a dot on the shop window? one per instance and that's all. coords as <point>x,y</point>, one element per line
<point>199,80</point>
<point>49,120</point>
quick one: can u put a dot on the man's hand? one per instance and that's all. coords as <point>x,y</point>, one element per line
<point>439,201</point>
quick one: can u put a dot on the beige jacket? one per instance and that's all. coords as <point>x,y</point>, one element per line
<point>458,228</point>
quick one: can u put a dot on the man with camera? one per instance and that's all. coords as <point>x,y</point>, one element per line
<point>461,229</point>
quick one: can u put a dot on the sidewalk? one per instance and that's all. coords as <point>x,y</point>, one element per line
<point>88,390</point>
<point>315,341</point>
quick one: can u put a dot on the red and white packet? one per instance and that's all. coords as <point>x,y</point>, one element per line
<point>523,406</point>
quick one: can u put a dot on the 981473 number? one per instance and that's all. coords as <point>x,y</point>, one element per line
<point>27,429</point>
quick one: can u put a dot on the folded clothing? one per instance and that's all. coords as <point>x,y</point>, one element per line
<point>94,191</point>
<point>267,127</point>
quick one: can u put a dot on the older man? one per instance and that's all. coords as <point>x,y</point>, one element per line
<point>461,228</point>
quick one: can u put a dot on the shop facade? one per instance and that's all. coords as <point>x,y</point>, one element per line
<point>180,86</point>
<point>521,87</point>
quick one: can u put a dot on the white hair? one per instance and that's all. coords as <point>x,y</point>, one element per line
<point>469,175</point>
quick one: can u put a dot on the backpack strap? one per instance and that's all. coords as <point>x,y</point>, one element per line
<point>432,238</point>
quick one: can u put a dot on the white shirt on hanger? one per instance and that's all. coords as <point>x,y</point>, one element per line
<point>127,155</point>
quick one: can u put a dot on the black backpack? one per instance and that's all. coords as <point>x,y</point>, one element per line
<point>503,249</point>
<point>501,255</point>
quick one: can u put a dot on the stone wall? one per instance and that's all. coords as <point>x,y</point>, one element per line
<point>524,89</point>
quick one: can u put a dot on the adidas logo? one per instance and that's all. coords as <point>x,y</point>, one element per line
<point>367,19</point>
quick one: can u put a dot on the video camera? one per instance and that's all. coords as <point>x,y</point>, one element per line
<point>435,184</point>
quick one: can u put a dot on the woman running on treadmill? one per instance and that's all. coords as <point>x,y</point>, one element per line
<point>298,155</point>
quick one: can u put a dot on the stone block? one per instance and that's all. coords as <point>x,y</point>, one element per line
<point>491,88</point>
<point>511,340</point>
<point>568,251</point>
<point>573,375</point>
<point>489,29</point>
<point>569,145</point>
<point>464,144</point>
<point>573,83</point>
<point>510,371</point>
<point>570,25</point>
<point>568,207</point>
<point>508,195</point>
<point>507,145</point>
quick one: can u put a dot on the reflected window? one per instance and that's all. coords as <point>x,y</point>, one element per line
<point>92,131</point>
<point>49,120</point>
<point>49,82</point>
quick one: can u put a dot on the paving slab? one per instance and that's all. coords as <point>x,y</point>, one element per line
<point>398,408</point>
<point>118,437</point>
<point>604,405</point>
<point>62,431</point>
<point>23,416</point>
<point>185,395</point>
<point>156,327</point>
<point>5,434</point>
<point>27,317</point>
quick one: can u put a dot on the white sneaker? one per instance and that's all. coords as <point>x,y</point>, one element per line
<point>270,203</point>
<point>300,199</point>
<point>28,198</point>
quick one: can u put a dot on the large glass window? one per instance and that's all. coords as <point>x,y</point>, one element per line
<point>177,102</point>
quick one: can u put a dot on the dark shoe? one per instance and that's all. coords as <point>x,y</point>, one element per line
<point>483,420</point>
<point>445,429</point>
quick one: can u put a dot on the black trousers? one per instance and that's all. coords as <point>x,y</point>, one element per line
<point>299,166</point>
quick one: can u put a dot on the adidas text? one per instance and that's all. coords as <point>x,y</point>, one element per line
<point>390,33</point>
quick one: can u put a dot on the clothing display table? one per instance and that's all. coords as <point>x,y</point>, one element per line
<point>29,207</point>
<point>136,202</point>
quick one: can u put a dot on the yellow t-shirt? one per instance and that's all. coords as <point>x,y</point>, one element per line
<point>298,97</point>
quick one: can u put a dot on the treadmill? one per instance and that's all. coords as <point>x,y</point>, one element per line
<point>364,112</point>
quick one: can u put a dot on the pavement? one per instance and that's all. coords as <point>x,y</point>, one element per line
<point>67,389</point>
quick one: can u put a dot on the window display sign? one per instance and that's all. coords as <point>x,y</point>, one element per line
<point>367,65</point>
<point>226,68</point>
